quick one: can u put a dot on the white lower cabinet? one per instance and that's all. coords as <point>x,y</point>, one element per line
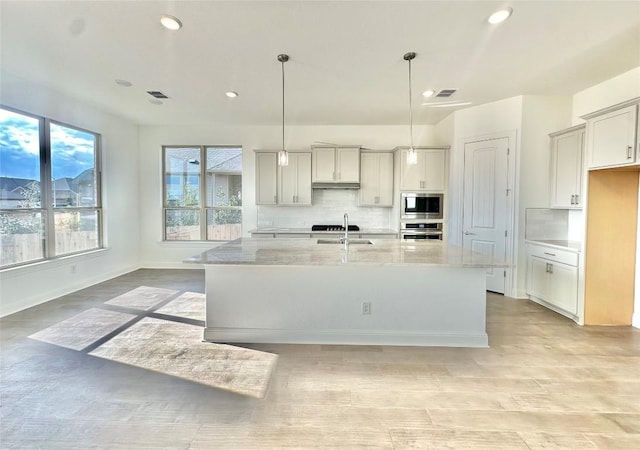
<point>552,277</point>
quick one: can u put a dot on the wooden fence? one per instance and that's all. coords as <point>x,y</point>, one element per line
<point>17,248</point>
<point>224,232</point>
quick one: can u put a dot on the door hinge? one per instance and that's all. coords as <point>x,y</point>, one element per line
<point>508,150</point>
<point>508,191</point>
<point>505,233</point>
<point>505,274</point>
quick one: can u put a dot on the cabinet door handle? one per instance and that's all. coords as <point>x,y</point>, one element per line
<point>577,199</point>
<point>550,254</point>
<point>468,233</point>
<point>550,268</point>
<point>629,148</point>
<point>573,199</point>
<point>546,267</point>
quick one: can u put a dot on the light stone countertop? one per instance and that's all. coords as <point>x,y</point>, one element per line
<point>574,246</point>
<point>307,252</point>
<point>276,230</point>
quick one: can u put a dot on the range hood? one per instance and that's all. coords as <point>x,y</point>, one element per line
<point>335,185</point>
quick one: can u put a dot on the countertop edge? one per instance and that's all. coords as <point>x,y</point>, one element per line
<point>572,246</point>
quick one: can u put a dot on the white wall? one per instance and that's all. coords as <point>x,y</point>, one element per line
<point>624,87</point>
<point>18,286</point>
<point>155,253</point>
<point>611,92</point>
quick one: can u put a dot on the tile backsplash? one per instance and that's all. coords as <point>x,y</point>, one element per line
<point>553,224</point>
<point>328,207</point>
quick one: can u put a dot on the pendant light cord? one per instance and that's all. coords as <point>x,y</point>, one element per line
<point>282,62</point>
<point>410,110</point>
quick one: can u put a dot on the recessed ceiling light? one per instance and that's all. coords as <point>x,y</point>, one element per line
<point>155,101</point>
<point>170,22</point>
<point>123,83</point>
<point>428,93</point>
<point>445,104</point>
<point>231,94</point>
<point>500,16</point>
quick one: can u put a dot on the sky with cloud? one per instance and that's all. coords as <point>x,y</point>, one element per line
<point>72,150</point>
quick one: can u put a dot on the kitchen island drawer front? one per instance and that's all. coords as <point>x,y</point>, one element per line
<point>554,254</point>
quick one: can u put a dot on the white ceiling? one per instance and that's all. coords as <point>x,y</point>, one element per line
<point>346,63</point>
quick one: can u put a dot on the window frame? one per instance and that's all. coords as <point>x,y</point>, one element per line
<point>47,208</point>
<point>202,208</point>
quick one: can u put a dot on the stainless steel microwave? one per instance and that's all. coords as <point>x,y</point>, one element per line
<point>422,206</point>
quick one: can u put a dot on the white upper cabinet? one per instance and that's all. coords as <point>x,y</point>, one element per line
<point>295,180</point>
<point>612,136</point>
<point>266,179</point>
<point>429,174</point>
<point>376,179</point>
<point>336,165</point>
<point>567,167</point>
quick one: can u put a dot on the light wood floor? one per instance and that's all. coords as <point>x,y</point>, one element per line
<point>544,383</point>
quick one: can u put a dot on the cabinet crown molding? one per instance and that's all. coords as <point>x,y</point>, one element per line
<point>633,101</point>
<point>582,126</point>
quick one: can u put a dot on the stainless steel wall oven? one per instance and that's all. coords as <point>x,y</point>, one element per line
<point>418,205</point>
<point>417,231</point>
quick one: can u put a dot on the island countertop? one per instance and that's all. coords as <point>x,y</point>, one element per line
<point>307,252</point>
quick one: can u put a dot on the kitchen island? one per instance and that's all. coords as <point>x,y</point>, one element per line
<point>386,292</point>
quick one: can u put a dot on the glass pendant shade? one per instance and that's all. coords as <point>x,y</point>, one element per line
<point>283,158</point>
<point>412,156</point>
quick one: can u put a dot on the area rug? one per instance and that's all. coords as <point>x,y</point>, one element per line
<point>189,305</point>
<point>177,349</point>
<point>142,297</point>
<point>82,330</point>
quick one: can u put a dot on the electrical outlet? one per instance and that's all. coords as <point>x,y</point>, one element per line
<point>366,308</point>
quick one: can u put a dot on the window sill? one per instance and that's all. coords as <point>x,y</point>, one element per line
<point>190,244</point>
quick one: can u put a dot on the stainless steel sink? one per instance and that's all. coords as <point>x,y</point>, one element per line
<point>351,241</point>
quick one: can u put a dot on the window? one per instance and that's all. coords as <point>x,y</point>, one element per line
<point>49,189</point>
<point>202,193</point>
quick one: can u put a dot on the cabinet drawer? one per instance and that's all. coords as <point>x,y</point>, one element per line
<point>554,254</point>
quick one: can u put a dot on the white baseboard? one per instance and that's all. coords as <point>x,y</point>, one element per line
<point>346,337</point>
<point>169,265</point>
<point>635,319</point>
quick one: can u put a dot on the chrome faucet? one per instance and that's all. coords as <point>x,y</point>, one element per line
<point>345,239</point>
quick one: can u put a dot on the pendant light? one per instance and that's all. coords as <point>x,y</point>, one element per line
<point>283,155</point>
<point>412,156</point>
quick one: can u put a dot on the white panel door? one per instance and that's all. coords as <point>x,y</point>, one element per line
<point>484,218</point>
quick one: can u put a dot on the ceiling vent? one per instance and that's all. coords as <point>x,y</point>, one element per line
<point>446,93</point>
<point>157,94</point>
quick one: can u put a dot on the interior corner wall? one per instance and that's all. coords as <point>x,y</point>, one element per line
<point>18,286</point>
<point>154,253</point>
<point>541,115</point>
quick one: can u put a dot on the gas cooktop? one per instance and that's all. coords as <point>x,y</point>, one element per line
<point>333,228</point>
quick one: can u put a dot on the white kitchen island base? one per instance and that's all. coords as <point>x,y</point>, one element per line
<point>415,304</point>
